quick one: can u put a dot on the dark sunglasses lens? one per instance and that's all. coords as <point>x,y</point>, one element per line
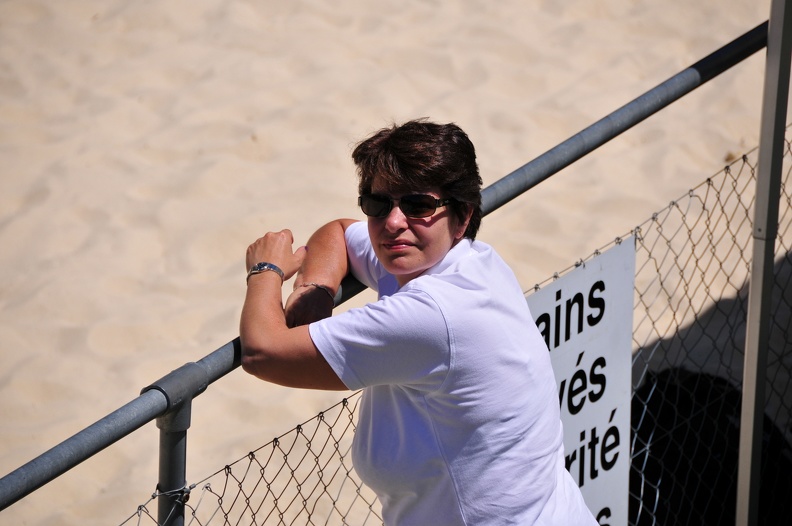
<point>418,205</point>
<point>375,205</point>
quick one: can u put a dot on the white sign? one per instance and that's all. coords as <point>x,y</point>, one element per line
<point>586,319</point>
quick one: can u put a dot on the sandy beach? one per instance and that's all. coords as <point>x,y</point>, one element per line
<point>144,145</point>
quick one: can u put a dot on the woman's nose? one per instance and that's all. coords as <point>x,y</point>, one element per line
<point>396,220</point>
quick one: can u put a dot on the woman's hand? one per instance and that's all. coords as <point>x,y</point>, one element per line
<point>276,248</point>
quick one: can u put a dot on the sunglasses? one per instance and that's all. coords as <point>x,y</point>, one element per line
<point>413,205</point>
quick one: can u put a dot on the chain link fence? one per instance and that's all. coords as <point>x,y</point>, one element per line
<point>692,268</point>
<point>304,476</point>
<point>693,263</point>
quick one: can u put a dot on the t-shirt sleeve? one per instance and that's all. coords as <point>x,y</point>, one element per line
<point>400,339</point>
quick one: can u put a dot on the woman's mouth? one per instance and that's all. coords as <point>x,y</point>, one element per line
<point>397,244</point>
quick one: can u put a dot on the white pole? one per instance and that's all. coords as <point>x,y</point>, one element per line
<point>771,152</point>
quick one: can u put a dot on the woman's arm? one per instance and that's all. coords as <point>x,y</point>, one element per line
<point>271,350</point>
<point>325,265</point>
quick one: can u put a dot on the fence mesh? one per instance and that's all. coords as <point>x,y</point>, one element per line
<point>693,263</point>
<point>302,477</point>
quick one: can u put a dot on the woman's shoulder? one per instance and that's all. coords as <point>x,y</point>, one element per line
<point>471,265</point>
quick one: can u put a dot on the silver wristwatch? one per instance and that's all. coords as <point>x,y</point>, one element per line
<point>258,268</point>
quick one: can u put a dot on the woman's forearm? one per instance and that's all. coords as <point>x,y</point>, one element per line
<point>277,349</point>
<point>326,262</point>
<point>274,352</point>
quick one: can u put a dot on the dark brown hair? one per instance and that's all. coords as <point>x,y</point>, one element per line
<point>419,155</point>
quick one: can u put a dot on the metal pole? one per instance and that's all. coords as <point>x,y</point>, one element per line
<point>602,131</point>
<point>173,465</point>
<point>771,152</point>
<point>624,118</point>
<point>81,446</point>
<point>180,387</point>
<point>161,397</point>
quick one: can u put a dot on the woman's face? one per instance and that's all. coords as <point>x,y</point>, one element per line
<point>408,246</point>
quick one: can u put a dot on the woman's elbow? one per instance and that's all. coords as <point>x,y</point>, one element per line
<point>254,359</point>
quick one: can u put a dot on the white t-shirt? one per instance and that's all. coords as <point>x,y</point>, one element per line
<point>459,422</point>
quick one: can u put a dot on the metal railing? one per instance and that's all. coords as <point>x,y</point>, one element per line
<point>168,400</point>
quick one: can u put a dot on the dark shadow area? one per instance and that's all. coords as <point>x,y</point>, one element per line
<point>686,417</point>
<point>686,442</point>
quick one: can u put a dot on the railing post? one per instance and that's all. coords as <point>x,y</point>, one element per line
<point>172,483</point>
<point>179,387</point>
<point>765,230</point>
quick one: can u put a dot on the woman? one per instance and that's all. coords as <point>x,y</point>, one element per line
<point>459,421</point>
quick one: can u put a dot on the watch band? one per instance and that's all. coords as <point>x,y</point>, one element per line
<point>263,266</point>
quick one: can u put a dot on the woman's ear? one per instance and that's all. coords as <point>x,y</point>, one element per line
<point>462,226</point>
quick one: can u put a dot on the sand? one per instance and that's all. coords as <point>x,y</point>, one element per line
<point>144,145</point>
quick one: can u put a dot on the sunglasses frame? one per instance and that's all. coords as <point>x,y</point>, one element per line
<point>380,198</point>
